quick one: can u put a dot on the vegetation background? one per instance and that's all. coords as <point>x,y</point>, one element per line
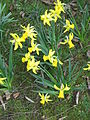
<point>20,108</point>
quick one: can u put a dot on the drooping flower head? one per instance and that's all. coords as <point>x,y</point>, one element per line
<point>68,40</point>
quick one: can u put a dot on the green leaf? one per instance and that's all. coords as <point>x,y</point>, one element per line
<point>49,75</point>
<point>10,62</point>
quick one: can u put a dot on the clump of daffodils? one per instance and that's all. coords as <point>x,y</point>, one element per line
<point>29,32</point>
<point>53,14</point>
<point>69,38</point>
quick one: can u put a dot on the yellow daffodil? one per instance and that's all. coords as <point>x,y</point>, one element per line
<point>69,41</point>
<point>50,55</point>
<point>31,64</point>
<point>68,26</point>
<point>59,6</point>
<point>46,18</point>
<point>24,37</point>
<point>55,14</point>
<point>26,58</point>
<point>30,31</point>
<point>88,68</point>
<point>17,41</point>
<point>51,58</point>
<point>61,90</point>
<point>44,98</point>
<point>34,48</point>
<point>54,63</point>
<point>2,80</point>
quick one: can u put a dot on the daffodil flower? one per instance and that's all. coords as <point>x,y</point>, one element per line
<point>17,41</point>
<point>88,68</point>
<point>68,26</point>
<point>55,14</point>
<point>34,48</point>
<point>50,55</point>
<point>54,62</point>
<point>61,90</point>
<point>26,58</point>
<point>69,41</point>
<point>31,64</point>
<point>46,18</point>
<point>51,58</point>
<point>2,80</point>
<point>44,98</point>
<point>24,37</point>
<point>59,6</point>
<point>30,31</point>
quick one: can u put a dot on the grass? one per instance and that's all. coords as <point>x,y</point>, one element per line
<point>20,108</point>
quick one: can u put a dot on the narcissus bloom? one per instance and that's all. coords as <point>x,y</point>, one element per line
<point>88,68</point>
<point>54,62</point>
<point>61,90</point>
<point>59,6</point>
<point>55,14</point>
<point>46,18</point>
<point>44,98</point>
<point>26,58</point>
<point>2,80</point>
<point>31,64</point>
<point>30,31</point>
<point>17,41</point>
<point>69,41</point>
<point>68,26</point>
<point>34,48</point>
<point>51,58</point>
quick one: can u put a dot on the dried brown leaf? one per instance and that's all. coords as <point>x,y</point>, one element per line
<point>15,95</point>
<point>3,104</point>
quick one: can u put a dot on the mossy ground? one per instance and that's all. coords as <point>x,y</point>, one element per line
<point>20,108</point>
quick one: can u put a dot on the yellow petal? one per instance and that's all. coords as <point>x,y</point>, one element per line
<point>57,88</point>
<point>66,88</point>
<point>63,43</point>
<point>60,62</point>
<point>71,45</point>
<point>1,80</point>
<point>45,58</point>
